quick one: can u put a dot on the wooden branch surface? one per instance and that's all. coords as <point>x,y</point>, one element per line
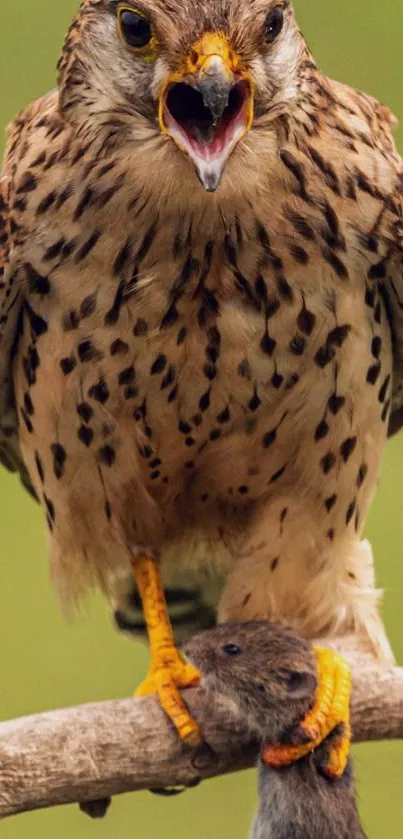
<point>102,749</point>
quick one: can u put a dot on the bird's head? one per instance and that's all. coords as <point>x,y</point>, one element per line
<point>199,74</point>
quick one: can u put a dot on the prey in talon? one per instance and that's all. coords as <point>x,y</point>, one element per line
<point>201,333</point>
<point>272,677</point>
<point>330,713</point>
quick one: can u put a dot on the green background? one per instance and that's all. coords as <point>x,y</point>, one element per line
<point>46,663</point>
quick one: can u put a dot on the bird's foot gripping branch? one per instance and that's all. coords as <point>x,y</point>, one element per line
<point>331,710</point>
<point>168,671</point>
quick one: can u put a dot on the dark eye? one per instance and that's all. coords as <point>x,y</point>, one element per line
<point>274,24</point>
<point>135,29</point>
<point>232,649</point>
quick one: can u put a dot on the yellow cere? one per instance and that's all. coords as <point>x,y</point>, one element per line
<point>196,62</point>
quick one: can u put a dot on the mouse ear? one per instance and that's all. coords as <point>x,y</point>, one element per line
<point>301,685</point>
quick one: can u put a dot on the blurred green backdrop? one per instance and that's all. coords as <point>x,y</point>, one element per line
<point>46,663</point>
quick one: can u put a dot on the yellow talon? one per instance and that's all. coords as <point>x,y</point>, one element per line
<point>331,709</point>
<point>164,680</point>
<point>169,671</point>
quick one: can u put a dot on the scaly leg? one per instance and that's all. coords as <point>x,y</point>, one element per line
<point>168,671</point>
<point>331,709</point>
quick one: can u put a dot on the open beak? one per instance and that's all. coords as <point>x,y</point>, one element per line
<point>207,106</point>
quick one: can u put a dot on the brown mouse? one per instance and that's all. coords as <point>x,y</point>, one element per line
<point>269,672</point>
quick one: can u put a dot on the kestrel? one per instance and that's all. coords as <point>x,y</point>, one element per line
<point>202,319</point>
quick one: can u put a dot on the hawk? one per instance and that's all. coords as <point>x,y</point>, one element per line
<point>201,320</point>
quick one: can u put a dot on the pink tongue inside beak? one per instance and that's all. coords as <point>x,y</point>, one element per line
<point>207,134</point>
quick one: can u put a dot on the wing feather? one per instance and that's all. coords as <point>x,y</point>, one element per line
<point>391,289</point>
<point>11,298</point>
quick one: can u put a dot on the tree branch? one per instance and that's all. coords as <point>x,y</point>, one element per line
<point>99,750</point>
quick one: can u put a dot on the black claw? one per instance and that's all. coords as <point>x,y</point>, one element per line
<point>322,755</point>
<point>296,736</point>
<point>125,624</point>
<point>168,792</point>
<point>193,783</point>
<point>95,809</point>
<point>204,756</point>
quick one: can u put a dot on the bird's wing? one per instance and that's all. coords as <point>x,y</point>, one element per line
<point>385,276</point>
<point>391,287</point>
<point>11,299</point>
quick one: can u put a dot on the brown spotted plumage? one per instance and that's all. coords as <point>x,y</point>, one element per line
<point>208,376</point>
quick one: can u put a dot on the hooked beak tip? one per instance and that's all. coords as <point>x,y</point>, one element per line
<point>210,180</point>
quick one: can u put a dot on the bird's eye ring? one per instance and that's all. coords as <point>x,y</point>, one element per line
<point>273,24</point>
<point>232,649</point>
<point>134,28</point>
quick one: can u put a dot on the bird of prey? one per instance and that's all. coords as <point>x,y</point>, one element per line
<point>201,319</point>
